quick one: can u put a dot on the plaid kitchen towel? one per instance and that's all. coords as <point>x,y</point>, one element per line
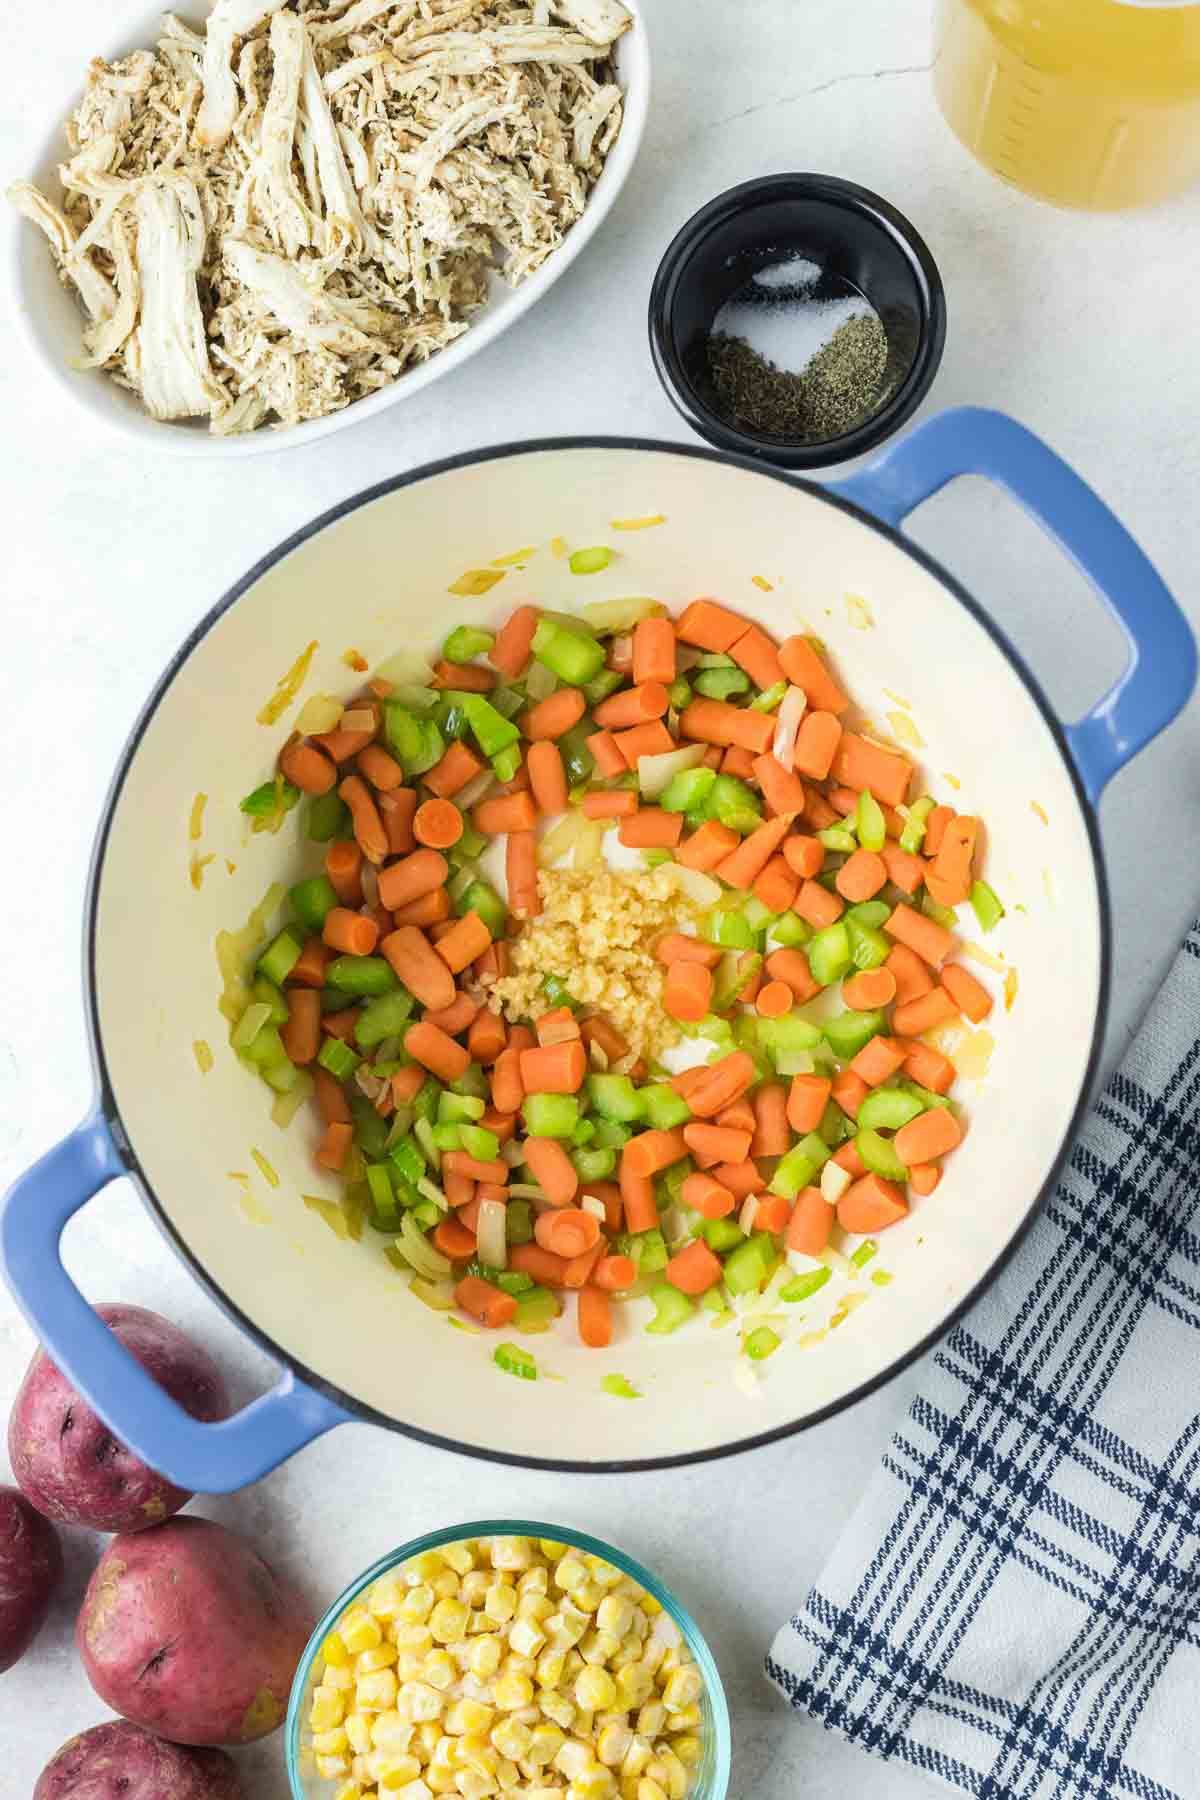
<point>1014,1607</point>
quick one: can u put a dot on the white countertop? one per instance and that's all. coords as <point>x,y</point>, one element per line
<point>1067,322</point>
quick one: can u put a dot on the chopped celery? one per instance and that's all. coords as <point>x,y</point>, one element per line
<point>483,900</point>
<point>450,715</point>
<point>722,1234</point>
<point>790,931</point>
<point>256,1015</point>
<point>987,905</point>
<point>803,1287</point>
<point>865,1252</point>
<point>558,993</point>
<point>788,1033</point>
<point>518,1222</point>
<point>770,698</point>
<point>722,684</point>
<point>589,562</point>
<point>715,659</point>
<point>829,954</point>
<point>326,817</point>
<point>618,1386</point>
<point>408,1161</point>
<point>803,1161</point>
<point>609,1135</point>
<point>615,1097</point>
<point>457,1109</point>
<point>491,730</point>
<point>383,1018</point>
<point>583,1133</point>
<point>425,1104</point>
<point>687,790</point>
<point>735,971</point>
<point>872,913</point>
<point>913,835</point>
<point>594,1165</point>
<point>385,1209</point>
<point>550,1115</point>
<point>849,1031</point>
<point>416,743</point>
<point>267,994</point>
<point>869,949</point>
<point>570,654</point>
<point>648,1249</point>
<point>425,1214</point>
<point>679,693</point>
<point>478,1142</point>
<point>601,686</point>
<point>340,1060</point>
<point>869,824</point>
<point>747,1267</point>
<point>280,958</point>
<point>879,1157</point>
<point>536,1308</point>
<point>472,1081</point>
<point>370,1131</point>
<point>941,915</point>
<point>508,701</point>
<point>467,642</point>
<point>671,1309</point>
<point>312,900</point>
<point>512,1281</point>
<point>734,804</point>
<point>758,916</point>
<point>515,1361</point>
<point>836,837</point>
<point>447,1137</point>
<point>578,761</point>
<point>761,1343</point>
<point>729,928</point>
<point>362,977</point>
<point>506,763</point>
<point>273,796</point>
<point>888,1108</point>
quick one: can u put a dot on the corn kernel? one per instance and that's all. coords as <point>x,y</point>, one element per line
<point>474,1786</point>
<point>387,1597</point>
<point>467,1717</point>
<point>511,1739</point>
<point>473,1586</point>
<point>458,1557</point>
<point>534,1606</point>
<point>420,1703</point>
<point>615,1615</point>
<point>393,1769</point>
<point>652,1718</point>
<point>349,1790</point>
<point>334,1651</point>
<point>330,1743</point>
<point>683,1688</point>
<point>588,1595</point>
<point>526,1637</point>
<point>605,1573</point>
<point>331,1766</point>
<point>424,1567</point>
<point>650,1606</point>
<point>636,1758</point>
<point>390,1732</point>
<point>544,1746</point>
<point>507,1774</point>
<point>628,1651</point>
<point>512,1692</point>
<point>688,1718</point>
<point>599,1646</point>
<point>446,1585</point>
<point>511,1553</point>
<point>448,1621</point>
<point>360,1770</point>
<point>327,1710</point>
<point>474,1752</point>
<point>551,1549</point>
<point>440,1781</point>
<point>359,1631</point>
<point>573,1758</point>
<point>572,1663</point>
<point>360,1731</point>
<point>383,1656</point>
<point>411,1665</point>
<point>484,1656</point>
<point>566,1626</point>
<point>571,1573</point>
<point>417,1603</point>
<point>377,1692</point>
<point>653,1652</point>
<point>635,1684</point>
<point>612,1744</point>
<point>594,1783</point>
<point>595,1689</point>
<point>585,1723</point>
<point>550,1668</point>
<point>649,1790</point>
<point>557,1707</point>
<point>338,1681</point>
<point>669,1772</point>
<point>500,1603</point>
<point>518,1665</point>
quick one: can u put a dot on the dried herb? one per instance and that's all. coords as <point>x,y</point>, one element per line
<point>832,394</point>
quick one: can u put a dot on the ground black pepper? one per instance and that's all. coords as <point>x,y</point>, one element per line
<point>832,394</point>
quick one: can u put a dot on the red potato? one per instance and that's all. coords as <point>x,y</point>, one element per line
<point>31,1567</point>
<point>67,1462</point>
<point>187,1631</point>
<point>120,1761</point>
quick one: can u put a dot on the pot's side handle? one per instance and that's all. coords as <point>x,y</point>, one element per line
<point>1161,671</point>
<point>212,1459</point>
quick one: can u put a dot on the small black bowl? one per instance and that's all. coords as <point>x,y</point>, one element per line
<point>854,236</point>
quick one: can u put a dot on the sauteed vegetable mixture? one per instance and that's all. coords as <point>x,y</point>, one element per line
<point>514,1145</point>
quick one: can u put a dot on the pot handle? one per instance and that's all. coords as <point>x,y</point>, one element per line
<point>1161,670</point>
<point>211,1459</point>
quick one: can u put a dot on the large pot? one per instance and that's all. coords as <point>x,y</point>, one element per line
<point>374,574</point>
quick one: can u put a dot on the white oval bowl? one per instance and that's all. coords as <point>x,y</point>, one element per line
<point>53,319</point>
<point>374,575</point>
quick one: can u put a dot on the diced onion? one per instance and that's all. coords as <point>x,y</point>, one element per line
<point>619,615</point>
<point>490,1236</point>
<point>512,1153</point>
<point>437,1295</point>
<point>834,1182</point>
<point>319,713</point>
<point>748,1214</point>
<point>589,845</point>
<point>787,724</point>
<point>287,1105</point>
<point>695,884</point>
<point>404,667</point>
<point>358,718</point>
<point>655,772</point>
<point>560,838</point>
<point>429,1190</point>
<point>794,1062</point>
<point>540,682</point>
<point>416,1250</point>
<point>588,1204</point>
<point>474,791</point>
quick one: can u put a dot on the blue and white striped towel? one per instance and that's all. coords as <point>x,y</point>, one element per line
<point>1015,1605</point>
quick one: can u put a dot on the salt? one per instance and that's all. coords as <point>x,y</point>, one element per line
<point>786,332</point>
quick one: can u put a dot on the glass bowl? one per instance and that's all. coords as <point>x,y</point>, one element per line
<point>711,1778</point>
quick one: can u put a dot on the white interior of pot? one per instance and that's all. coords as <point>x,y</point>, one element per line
<point>376,581</point>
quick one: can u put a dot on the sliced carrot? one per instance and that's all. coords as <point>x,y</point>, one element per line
<point>437,824</point>
<point>490,1305</point>
<point>844,799</point>
<point>687,991</point>
<point>412,878</point>
<point>594,1317</point>
<point>688,1080</point>
<point>437,1051</point>
<point>430,910</point>
<point>694,1269</point>
<point>811,1222</point>
<point>457,1162</point>
<point>512,649</point>
<point>771,1212</point>
<point>878,1060</point>
<point>615,1273</point>
<point>935,829</point>
<point>654,651</point>
<point>637,1196</point>
<point>777,886</point>
<point>907,872</point>
<point>806,1102</point>
<point>969,995</point>
<point>364,815</point>
<point>650,828</point>
<point>508,812</point>
<point>340,1024</point>
<point>739,1116</point>
<point>620,803</point>
<point>846,1157</point>
<point>455,1018</point>
<point>504,1125</point>
<point>675,947</point>
<point>307,768</point>
<point>334,1147</point>
<point>521,873</point>
<point>467,938</point>
<point>709,626</point>
<point>930,1135</point>
<point>381,769</point>
<point>771,1130</point>
<point>419,967</point>
<point>599,1031</point>
<point>716,722</point>
<point>530,1259</point>
<point>508,1090</point>
<point>458,1189</point>
<point>493,965</point>
<point>301,1033</point>
<point>817,811</point>
<point>861,764</point>
<point>547,778</point>
<point>310,970</point>
<point>452,1238</point>
<point>712,758</point>
<point>849,1091</point>
<point>652,1151</point>
<point>554,1068</point>
<point>349,932</point>
<point>620,653</point>
<point>343,866</point>
<point>644,740</point>
<point>781,789</point>
<point>912,975</point>
<point>817,743</point>
<point>722,1083</point>
<point>632,706</point>
<point>806,669</point>
<point>742,867</point>
<point>739,762</point>
<point>870,1205</point>
<point>554,716</point>
<point>924,1177</point>
<point>861,876</point>
<point>609,761</point>
<point>951,871</point>
<point>707,846</point>
<point>930,940</point>
<point>755,652</point>
<point>459,765</point>
<point>774,999</point>
<point>933,1008</point>
<point>396,810</point>
<point>928,1066</point>
<point>869,990</point>
<point>407,1084</point>
<point>805,856</point>
<point>568,1232</point>
<point>341,744</point>
<point>740,1179</point>
<point>713,1144</point>
<point>817,906</point>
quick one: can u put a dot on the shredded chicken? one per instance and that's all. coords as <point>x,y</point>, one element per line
<point>271,220</point>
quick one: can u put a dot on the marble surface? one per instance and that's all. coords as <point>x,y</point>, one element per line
<point>111,557</point>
